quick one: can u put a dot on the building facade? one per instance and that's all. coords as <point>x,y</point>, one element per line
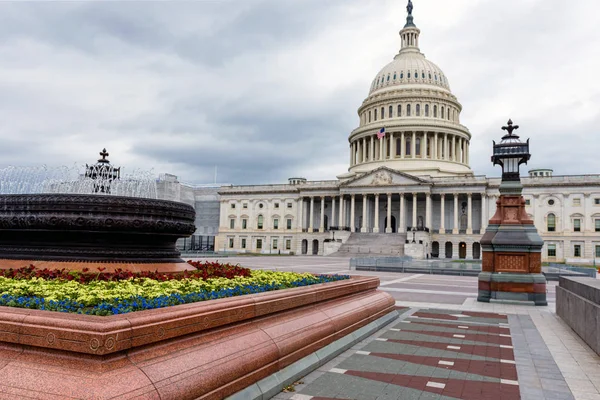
<point>409,188</point>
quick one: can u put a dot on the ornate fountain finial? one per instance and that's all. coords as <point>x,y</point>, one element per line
<point>510,128</point>
<point>104,154</point>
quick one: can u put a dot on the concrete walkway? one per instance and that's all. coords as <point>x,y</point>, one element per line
<point>446,345</point>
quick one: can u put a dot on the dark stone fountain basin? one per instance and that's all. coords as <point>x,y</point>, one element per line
<point>70,228</point>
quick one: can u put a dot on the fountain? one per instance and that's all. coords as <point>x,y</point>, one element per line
<point>59,218</point>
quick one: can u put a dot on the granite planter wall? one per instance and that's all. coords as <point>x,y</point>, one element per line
<point>578,304</point>
<point>204,350</point>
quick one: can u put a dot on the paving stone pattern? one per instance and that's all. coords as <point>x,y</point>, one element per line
<point>442,354</point>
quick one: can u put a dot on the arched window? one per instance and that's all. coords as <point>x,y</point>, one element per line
<point>394,76</point>
<point>408,110</point>
<point>418,147</point>
<point>259,225</point>
<point>442,112</point>
<point>427,110</point>
<point>399,110</point>
<point>382,113</point>
<point>375,115</point>
<point>430,76</point>
<point>369,116</point>
<point>551,223</point>
<point>399,148</point>
<point>416,74</point>
<point>448,114</point>
<point>423,74</point>
<point>408,75</point>
<point>401,75</point>
<point>436,77</point>
<point>391,112</point>
<point>418,110</point>
<point>388,78</point>
<point>434,111</point>
<point>407,147</point>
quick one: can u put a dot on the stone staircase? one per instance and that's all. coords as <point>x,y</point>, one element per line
<point>372,244</point>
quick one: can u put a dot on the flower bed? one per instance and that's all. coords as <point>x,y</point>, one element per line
<point>122,291</point>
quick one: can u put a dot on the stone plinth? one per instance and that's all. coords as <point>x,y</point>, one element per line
<point>205,350</point>
<point>511,259</point>
<point>578,304</point>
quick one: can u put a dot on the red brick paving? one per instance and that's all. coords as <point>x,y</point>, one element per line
<point>493,369</point>
<point>484,315</point>
<point>467,336</point>
<point>476,328</point>
<point>478,350</point>
<point>466,390</point>
<point>436,316</point>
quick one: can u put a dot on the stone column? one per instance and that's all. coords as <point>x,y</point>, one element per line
<point>428,210</point>
<point>332,223</point>
<point>470,211</point>
<point>414,211</point>
<point>388,228</point>
<point>446,157</point>
<point>364,216</point>
<point>322,224</point>
<point>435,146</point>
<point>351,154</point>
<point>453,148</point>
<point>372,149</point>
<point>352,213</point>
<point>310,216</point>
<point>341,222</point>
<point>402,215</point>
<point>402,145</point>
<point>376,222</point>
<point>442,215</point>
<point>484,213</point>
<point>455,226</point>
<point>392,147</point>
<point>424,146</point>
<point>413,145</point>
<point>364,152</point>
<point>380,149</point>
<point>300,215</point>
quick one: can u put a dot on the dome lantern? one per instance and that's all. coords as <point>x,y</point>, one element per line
<point>410,33</point>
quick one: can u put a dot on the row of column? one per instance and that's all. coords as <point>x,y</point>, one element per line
<point>369,148</point>
<point>402,225</point>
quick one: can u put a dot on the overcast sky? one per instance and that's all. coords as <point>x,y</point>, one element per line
<point>268,89</point>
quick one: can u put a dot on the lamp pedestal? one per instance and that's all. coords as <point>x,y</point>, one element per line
<point>511,246</point>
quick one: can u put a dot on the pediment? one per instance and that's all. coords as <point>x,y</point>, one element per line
<point>384,177</point>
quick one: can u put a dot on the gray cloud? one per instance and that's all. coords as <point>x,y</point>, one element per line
<point>268,89</point>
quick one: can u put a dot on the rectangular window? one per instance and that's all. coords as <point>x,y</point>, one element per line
<point>289,205</point>
<point>597,202</point>
<point>576,202</point>
<point>258,244</point>
<point>577,225</point>
<point>231,243</point>
<point>245,205</point>
<point>551,250</point>
<point>527,202</point>
<point>232,223</point>
<point>275,223</point>
<point>597,222</point>
<point>597,251</point>
<point>243,243</point>
<point>274,244</point>
<point>375,115</point>
<point>232,205</point>
<point>288,245</point>
<point>244,224</point>
<point>577,250</point>
<point>289,223</point>
<point>276,205</point>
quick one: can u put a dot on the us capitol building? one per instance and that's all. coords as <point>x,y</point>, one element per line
<point>408,191</point>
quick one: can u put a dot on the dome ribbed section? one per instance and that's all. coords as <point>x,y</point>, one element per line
<point>409,69</point>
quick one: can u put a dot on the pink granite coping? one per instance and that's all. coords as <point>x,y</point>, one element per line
<point>204,350</point>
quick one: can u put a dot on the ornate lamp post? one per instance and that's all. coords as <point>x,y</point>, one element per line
<point>512,247</point>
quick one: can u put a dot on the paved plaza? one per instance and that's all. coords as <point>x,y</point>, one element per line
<point>446,345</point>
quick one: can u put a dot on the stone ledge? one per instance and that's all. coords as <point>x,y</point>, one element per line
<point>206,351</point>
<point>105,335</point>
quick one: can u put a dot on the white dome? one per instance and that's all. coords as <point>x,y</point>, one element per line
<point>408,69</point>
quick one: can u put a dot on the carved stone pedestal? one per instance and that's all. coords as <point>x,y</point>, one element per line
<point>512,268</point>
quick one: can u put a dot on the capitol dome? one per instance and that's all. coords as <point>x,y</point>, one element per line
<point>410,120</point>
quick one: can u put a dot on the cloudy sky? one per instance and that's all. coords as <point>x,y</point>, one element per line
<point>268,89</point>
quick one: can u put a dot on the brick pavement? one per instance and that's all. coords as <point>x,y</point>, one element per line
<point>439,354</point>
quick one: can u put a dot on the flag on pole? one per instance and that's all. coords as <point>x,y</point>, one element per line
<point>381,134</point>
